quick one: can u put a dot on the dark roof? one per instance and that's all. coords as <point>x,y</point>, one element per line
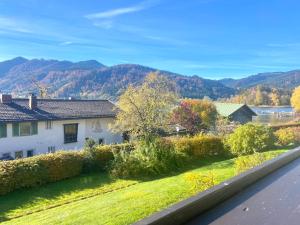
<point>55,109</point>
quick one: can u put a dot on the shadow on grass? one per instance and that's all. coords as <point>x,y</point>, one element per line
<point>29,197</point>
<point>217,162</point>
<point>19,198</point>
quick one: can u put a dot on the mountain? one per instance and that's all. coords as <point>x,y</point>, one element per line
<point>92,79</point>
<point>284,80</point>
<point>7,65</point>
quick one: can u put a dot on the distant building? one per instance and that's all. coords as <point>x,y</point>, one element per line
<point>241,113</point>
<point>35,126</point>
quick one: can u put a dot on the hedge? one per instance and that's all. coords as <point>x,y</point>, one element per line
<point>286,136</point>
<point>46,168</point>
<point>200,145</point>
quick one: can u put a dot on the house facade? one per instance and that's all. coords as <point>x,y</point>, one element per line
<point>35,126</point>
<point>240,113</point>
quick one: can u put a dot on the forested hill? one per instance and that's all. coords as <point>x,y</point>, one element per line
<point>93,79</point>
<point>285,80</point>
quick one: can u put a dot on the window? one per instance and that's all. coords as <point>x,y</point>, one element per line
<point>51,149</point>
<point>48,125</point>
<point>25,129</point>
<point>101,141</point>
<point>18,154</point>
<point>3,130</point>
<point>29,153</point>
<point>70,132</point>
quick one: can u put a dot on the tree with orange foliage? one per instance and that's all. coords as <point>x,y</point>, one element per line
<point>195,115</point>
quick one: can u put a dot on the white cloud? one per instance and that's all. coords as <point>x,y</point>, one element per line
<point>114,12</point>
<point>12,24</point>
<point>109,14</point>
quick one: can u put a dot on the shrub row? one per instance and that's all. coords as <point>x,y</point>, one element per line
<point>163,155</point>
<point>244,163</point>
<point>200,145</point>
<point>46,168</point>
<point>148,159</point>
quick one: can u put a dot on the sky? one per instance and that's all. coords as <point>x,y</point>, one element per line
<point>210,38</point>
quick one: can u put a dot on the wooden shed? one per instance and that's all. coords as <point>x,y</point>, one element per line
<point>241,113</point>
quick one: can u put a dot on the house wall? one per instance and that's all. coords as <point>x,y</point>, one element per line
<point>87,128</point>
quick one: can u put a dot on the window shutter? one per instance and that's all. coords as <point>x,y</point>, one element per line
<point>16,129</point>
<point>34,128</point>
<point>3,130</point>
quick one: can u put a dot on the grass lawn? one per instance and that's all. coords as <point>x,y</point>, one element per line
<point>96,199</point>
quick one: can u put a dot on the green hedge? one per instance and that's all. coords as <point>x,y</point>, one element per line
<point>46,168</point>
<point>104,153</point>
<point>200,145</point>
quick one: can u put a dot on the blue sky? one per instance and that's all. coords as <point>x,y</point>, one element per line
<point>209,38</point>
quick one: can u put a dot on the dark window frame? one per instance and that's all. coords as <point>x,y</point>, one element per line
<point>30,153</point>
<point>70,138</point>
<point>16,129</point>
<point>20,156</point>
<point>101,141</point>
<point>48,124</point>
<point>3,130</point>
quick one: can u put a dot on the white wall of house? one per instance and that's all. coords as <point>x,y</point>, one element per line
<point>54,137</point>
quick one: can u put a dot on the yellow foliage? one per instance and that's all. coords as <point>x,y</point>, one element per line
<point>295,100</point>
<point>200,145</point>
<point>286,136</point>
<point>144,110</point>
<point>200,182</point>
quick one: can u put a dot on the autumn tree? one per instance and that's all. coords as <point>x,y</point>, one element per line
<point>259,98</point>
<point>195,114</point>
<point>143,111</point>
<point>187,117</point>
<point>295,99</point>
<point>42,88</point>
<point>275,97</point>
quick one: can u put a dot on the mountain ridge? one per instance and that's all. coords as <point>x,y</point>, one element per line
<point>91,79</point>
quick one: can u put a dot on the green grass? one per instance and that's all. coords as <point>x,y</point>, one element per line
<point>97,199</point>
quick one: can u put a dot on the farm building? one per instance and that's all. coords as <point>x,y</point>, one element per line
<point>241,113</point>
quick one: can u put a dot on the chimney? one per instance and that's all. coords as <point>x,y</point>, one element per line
<point>5,99</point>
<point>32,101</point>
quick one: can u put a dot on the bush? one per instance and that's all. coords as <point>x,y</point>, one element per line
<point>104,154</point>
<point>38,170</point>
<point>61,165</point>
<point>200,182</point>
<point>41,169</point>
<point>286,136</point>
<point>148,159</point>
<point>244,163</point>
<point>200,145</point>
<point>250,138</point>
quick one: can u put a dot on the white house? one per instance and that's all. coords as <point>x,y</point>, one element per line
<point>35,126</point>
